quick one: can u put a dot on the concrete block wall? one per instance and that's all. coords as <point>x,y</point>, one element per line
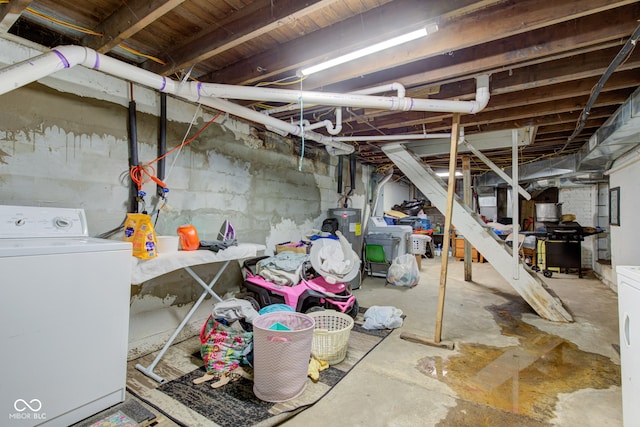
<point>61,146</point>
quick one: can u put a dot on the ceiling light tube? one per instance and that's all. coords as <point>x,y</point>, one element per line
<point>422,32</point>
<point>446,174</point>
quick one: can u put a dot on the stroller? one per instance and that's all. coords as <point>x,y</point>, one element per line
<point>312,293</point>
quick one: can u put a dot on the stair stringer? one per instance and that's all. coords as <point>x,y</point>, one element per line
<point>494,250</point>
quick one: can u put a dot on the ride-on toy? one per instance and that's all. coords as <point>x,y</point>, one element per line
<point>310,294</point>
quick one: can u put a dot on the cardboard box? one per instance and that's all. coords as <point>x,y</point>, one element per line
<point>301,247</point>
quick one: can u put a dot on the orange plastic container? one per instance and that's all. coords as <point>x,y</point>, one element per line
<point>189,240</point>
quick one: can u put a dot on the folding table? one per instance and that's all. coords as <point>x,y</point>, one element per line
<point>144,270</point>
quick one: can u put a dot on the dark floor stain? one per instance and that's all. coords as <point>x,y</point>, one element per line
<point>523,380</point>
<point>468,414</point>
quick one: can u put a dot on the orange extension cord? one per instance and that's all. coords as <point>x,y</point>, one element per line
<point>141,174</point>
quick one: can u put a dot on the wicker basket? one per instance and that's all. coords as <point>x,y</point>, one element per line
<point>330,335</point>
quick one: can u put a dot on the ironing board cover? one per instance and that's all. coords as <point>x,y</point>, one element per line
<point>143,270</point>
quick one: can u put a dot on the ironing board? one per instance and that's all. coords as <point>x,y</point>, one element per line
<point>143,270</point>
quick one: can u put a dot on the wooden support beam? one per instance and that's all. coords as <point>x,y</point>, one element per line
<point>466,183</point>
<point>446,241</point>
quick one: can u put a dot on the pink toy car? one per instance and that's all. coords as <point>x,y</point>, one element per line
<point>310,294</point>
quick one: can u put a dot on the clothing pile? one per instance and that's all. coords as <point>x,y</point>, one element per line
<point>283,269</point>
<point>226,342</point>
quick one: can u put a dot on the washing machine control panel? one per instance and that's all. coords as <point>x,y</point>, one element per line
<point>30,221</point>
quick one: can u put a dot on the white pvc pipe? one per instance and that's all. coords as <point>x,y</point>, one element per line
<point>391,137</point>
<point>392,103</point>
<point>331,129</point>
<point>249,114</point>
<point>69,56</point>
<point>368,91</point>
<point>20,74</point>
<point>395,86</point>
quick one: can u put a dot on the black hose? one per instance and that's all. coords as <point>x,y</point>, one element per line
<point>352,173</point>
<point>619,59</point>
<point>162,142</point>
<point>340,167</point>
<point>133,156</point>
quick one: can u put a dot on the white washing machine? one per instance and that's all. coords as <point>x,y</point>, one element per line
<point>64,317</point>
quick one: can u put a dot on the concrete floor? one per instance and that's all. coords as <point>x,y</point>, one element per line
<point>509,366</point>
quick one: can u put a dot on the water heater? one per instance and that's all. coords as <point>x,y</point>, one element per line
<point>349,224</point>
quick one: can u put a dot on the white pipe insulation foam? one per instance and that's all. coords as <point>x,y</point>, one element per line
<point>211,94</point>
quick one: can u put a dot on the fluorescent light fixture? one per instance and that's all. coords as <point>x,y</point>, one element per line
<point>446,174</point>
<point>369,50</point>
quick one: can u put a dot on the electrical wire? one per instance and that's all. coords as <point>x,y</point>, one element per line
<point>620,58</point>
<point>61,22</point>
<point>184,138</point>
<point>84,30</point>
<point>143,55</point>
<point>281,82</point>
<point>139,172</point>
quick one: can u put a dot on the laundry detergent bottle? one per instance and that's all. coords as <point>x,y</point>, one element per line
<point>189,240</point>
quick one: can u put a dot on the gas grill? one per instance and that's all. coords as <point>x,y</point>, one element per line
<point>565,231</point>
<point>563,246</point>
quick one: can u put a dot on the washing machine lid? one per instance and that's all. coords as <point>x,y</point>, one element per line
<point>58,245</point>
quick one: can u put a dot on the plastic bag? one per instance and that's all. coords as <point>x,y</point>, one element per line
<point>382,317</point>
<point>404,271</point>
<point>138,229</point>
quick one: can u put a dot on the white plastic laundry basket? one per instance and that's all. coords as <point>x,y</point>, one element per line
<point>281,353</point>
<point>419,244</point>
<point>331,335</point>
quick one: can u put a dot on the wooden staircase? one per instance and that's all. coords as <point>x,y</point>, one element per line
<point>523,279</point>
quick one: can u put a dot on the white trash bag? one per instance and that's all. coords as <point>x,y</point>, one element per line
<point>382,317</point>
<point>404,271</point>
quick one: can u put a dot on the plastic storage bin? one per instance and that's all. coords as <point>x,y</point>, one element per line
<point>281,351</point>
<point>330,335</point>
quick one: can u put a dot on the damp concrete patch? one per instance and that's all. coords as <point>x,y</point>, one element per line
<point>524,380</point>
